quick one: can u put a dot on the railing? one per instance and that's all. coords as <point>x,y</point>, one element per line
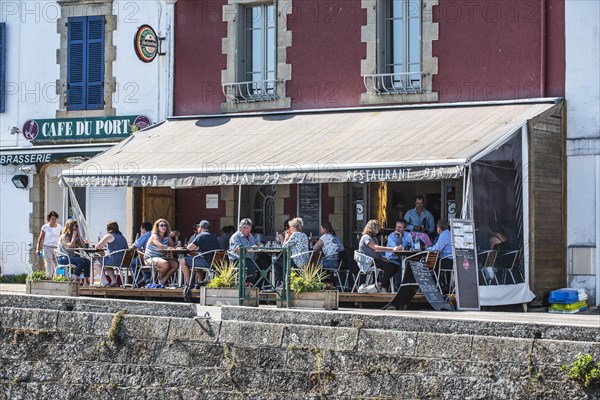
<point>394,83</point>
<point>266,275</point>
<point>253,91</point>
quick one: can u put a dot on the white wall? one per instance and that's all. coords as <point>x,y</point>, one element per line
<point>31,75</point>
<point>582,40</point>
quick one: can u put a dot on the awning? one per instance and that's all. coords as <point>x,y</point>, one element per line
<point>408,143</point>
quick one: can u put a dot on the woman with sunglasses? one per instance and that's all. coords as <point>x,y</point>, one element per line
<point>70,239</point>
<point>162,238</point>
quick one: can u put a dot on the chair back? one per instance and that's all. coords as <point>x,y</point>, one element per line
<point>364,262</point>
<point>432,258</point>
<point>490,259</point>
<point>218,258</point>
<point>315,257</point>
<point>128,257</point>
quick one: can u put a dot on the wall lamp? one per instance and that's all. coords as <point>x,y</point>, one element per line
<point>20,181</point>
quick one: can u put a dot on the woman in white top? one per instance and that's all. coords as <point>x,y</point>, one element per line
<point>48,241</point>
<point>328,245</point>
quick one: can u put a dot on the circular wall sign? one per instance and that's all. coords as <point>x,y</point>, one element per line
<point>30,129</point>
<point>146,43</point>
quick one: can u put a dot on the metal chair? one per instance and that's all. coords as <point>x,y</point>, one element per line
<point>335,271</point>
<point>209,271</point>
<point>122,267</point>
<point>70,267</point>
<point>366,266</point>
<point>506,262</point>
<point>487,260</point>
<point>146,264</point>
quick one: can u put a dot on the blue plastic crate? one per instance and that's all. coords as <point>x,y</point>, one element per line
<point>564,296</point>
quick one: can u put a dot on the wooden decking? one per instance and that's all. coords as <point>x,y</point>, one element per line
<point>345,298</point>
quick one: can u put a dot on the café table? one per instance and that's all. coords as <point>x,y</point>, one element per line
<point>91,253</point>
<point>272,251</point>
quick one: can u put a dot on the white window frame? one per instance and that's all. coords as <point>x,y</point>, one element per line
<point>373,69</point>
<point>269,93</point>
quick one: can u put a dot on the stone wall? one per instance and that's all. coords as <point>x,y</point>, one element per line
<point>276,354</point>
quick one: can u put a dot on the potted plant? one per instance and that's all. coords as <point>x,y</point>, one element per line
<point>222,288</point>
<point>39,283</point>
<point>309,291</point>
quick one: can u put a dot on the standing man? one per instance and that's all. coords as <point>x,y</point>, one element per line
<point>419,219</point>
<point>243,238</point>
<point>205,243</point>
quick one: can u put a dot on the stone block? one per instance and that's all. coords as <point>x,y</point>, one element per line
<point>554,352</point>
<point>466,388</point>
<point>494,349</point>
<point>271,358</point>
<point>84,323</point>
<point>428,387</point>
<point>335,189</point>
<point>174,353</point>
<point>15,318</point>
<point>145,327</point>
<point>250,334</point>
<point>192,330</point>
<point>324,338</point>
<point>394,343</point>
<point>303,358</point>
<point>434,345</point>
<point>398,386</point>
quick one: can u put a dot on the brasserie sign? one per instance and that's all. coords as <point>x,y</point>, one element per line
<point>68,129</point>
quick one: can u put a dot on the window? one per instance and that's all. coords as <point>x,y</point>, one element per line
<point>85,63</point>
<point>258,60</point>
<point>399,52</point>
<point>256,49</point>
<point>399,66</point>
<point>2,66</point>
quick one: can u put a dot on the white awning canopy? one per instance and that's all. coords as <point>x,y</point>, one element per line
<point>407,143</point>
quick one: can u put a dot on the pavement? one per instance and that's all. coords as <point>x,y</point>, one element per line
<point>590,318</point>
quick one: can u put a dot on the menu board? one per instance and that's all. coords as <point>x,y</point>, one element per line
<point>464,252</point>
<point>309,207</point>
<point>428,287</point>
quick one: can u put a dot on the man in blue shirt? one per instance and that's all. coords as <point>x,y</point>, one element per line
<point>419,219</point>
<point>443,244</point>
<point>140,244</point>
<point>244,238</point>
<point>399,237</point>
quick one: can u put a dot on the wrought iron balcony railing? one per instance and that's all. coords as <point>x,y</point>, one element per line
<point>394,83</point>
<point>252,91</point>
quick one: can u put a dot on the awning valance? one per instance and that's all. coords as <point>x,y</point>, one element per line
<point>357,145</point>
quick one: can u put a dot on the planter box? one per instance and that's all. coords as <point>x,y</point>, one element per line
<point>327,299</point>
<point>51,288</point>
<point>226,297</point>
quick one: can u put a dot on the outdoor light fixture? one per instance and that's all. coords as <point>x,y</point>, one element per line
<point>20,181</point>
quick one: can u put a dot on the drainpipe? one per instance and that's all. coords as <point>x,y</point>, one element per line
<point>170,13</point>
<point>542,48</point>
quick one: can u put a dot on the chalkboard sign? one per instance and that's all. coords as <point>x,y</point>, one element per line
<point>428,287</point>
<point>309,207</point>
<point>464,252</point>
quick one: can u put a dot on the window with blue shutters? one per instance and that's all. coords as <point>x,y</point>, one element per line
<point>85,63</point>
<point>2,67</point>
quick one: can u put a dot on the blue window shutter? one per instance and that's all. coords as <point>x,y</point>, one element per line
<point>95,63</point>
<point>76,63</point>
<point>2,67</point>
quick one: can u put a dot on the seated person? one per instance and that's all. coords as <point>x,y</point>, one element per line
<point>244,238</point>
<point>369,245</point>
<point>400,237</point>
<point>227,231</point>
<point>115,242</point>
<point>443,244</point>
<point>162,238</point>
<point>140,244</point>
<point>68,240</point>
<point>328,245</point>
<point>204,243</point>
<point>297,242</point>
<point>498,240</point>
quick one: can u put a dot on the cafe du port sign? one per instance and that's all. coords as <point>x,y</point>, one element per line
<point>146,43</point>
<point>84,129</point>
